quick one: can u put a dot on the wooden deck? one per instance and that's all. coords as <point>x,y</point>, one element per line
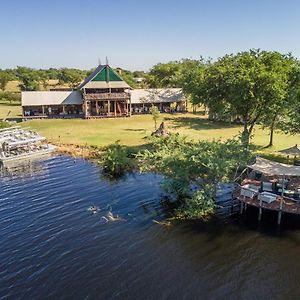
<point>288,206</point>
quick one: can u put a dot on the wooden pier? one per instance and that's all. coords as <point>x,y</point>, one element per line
<point>280,205</point>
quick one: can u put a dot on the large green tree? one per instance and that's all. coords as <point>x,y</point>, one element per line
<point>192,171</point>
<point>171,74</point>
<point>290,121</point>
<point>71,77</point>
<point>251,85</point>
<point>29,78</point>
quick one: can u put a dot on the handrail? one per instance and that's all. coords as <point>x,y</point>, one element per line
<point>106,96</point>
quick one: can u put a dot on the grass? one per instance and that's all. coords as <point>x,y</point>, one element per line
<point>15,110</point>
<point>134,131</point>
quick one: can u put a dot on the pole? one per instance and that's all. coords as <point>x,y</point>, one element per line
<point>281,202</point>
<point>260,210</point>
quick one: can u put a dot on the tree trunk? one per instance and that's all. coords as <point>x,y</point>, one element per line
<point>272,127</point>
<point>245,134</point>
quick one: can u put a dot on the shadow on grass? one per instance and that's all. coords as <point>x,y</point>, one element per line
<point>140,129</point>
<point>199,123</point>
<point>7,103</point>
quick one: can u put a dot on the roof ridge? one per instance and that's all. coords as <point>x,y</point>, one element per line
<point>91,76</point>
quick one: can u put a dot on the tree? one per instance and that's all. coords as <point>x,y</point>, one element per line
<point>29,78</point>
<point>163,75</point>
<point>155,115</point>
<point>44,78</point>
<point>281,68</point>
<point>71,77</point>
<point>251,85</point>
<point>172,74</point>
<point>192,171</point>
<point>290,122</point>
<point>5,77</point>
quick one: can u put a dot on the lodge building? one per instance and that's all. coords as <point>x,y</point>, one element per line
<point>102,94</point>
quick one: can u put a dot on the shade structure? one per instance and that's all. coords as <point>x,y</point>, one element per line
<point>295,151</point>
<point>273,168</point>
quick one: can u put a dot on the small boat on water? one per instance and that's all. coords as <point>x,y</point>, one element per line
<point>18,143</point>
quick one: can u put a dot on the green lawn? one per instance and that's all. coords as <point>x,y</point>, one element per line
<point>15,111</point>
<point>135,130</point>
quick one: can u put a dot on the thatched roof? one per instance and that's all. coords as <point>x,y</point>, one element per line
<point>291,151</point>
<point>38,98</point>
<point>269,167</point>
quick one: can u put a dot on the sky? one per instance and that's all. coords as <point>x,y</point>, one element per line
<point>136,35</point>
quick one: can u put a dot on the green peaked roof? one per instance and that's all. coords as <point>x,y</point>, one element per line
<point>103,77</point>
<point>107,74</point>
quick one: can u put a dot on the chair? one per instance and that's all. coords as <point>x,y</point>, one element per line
<point>267,186</point>
<point>249,191</point>
<point>267,197</point>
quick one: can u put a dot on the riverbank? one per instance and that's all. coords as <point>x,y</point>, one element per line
<point>133,132</point>
<point>77,151</point>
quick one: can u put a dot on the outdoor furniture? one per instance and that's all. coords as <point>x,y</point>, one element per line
<point>249,191</point>
<point>267,186</point>
<point>267,197</point>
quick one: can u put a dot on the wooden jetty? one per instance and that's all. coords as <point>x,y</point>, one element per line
<point>278,188</point>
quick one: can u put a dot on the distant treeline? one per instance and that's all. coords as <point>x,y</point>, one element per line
<point>35,79</point>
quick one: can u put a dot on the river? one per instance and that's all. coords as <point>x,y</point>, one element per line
<point>53,247</point>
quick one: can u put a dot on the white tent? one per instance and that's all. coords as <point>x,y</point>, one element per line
<point>269,167</point>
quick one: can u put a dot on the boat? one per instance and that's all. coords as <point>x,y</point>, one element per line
<point>18,143</point>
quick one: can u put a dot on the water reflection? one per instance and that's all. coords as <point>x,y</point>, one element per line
<point>53,247</point>
<point>24,168</point>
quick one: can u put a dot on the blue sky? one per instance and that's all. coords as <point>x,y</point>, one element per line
<point>138,34</point>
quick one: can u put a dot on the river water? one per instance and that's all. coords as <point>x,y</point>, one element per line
<point>52,247</point>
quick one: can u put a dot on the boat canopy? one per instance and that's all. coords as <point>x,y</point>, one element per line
<point>269,167</point>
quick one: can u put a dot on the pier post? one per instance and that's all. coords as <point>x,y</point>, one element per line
<point>279,217</point>
<point>260,210</point>
<point>259,214</point>
<point>280,211</point>
<point>242,207</point>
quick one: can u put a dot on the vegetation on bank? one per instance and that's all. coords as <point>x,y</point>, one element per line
<point>3,125</point>
<point>191,170</point>
<point>115,160</point>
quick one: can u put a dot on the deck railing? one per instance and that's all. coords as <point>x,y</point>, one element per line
<point>106,96</point>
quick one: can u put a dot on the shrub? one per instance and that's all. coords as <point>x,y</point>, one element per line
<point>9,97</point>
<point>193,170</point>
<point>3,124</point>
<point>115,160</point>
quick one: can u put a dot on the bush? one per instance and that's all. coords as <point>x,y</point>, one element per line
<point>9,97</point>
<point>3,124</point>
<point>116,161</point>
